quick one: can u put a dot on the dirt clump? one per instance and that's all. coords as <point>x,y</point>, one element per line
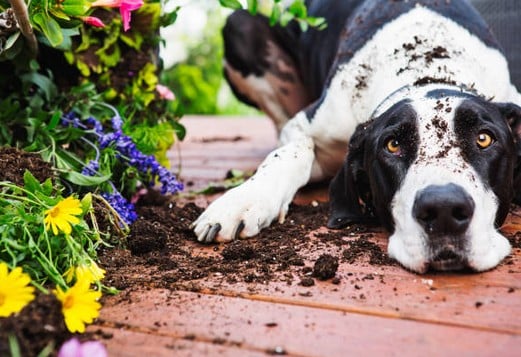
<point>325,267</point>
<point>361,248</point>
<point>147,237</point>
<point>238,251</point>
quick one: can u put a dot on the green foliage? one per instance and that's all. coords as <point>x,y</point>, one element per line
<point>195,94</point>
<point>196,81</point>
<point>25,241</point>
<point>278,13</point>
<point>153,139</point>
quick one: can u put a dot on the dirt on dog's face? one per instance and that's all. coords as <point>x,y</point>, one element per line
<point>437,170</point>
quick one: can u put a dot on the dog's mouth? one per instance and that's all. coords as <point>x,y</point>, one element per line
<point>448,259</point>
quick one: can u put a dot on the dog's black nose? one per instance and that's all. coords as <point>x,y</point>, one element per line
<point>443,210</point>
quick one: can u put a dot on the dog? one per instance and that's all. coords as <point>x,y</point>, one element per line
<point>409,108</point>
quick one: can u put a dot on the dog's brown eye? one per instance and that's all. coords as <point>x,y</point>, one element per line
<point>393,146</point>
<point>484,140</point>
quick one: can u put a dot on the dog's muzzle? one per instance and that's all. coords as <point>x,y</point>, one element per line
<point>445,213</point>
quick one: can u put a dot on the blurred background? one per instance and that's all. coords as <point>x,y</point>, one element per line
<point>192,55</point>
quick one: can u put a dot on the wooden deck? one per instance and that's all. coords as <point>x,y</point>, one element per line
<point>375,310</point>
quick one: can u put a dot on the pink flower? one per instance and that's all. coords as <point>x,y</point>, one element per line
<point>92,20</point>
<point>125,7</point>
<point>164,92</point>
<point>73,348</point>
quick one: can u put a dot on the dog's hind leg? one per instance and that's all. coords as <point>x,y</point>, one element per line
<point>261,68</point>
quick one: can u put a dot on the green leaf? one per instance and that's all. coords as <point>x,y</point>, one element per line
<point>48,350</point>
<point>303,25</point>
<point>47,187</point>
<point>180,130</point>
<point>318,22</point>
<point>275,14</point>
<point>43,82</point>
<point>11,40</point>
<point>298,8</point>
<point>49,27</point>
<point>55,119</point>
<point>14,347</point>
<point>75,7</point>
<point>13,46</point>
<point>231,4</point>
<point>170,17</point>
<point>83,180</point>
<point>31,184</point>
<point>86,203</point>
<point>58,14</point>
<point>252,6</point>
<point>285,18</point>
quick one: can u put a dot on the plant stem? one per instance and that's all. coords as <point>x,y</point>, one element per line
<point>22,17</point>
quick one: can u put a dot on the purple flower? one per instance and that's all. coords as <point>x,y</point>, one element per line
<point>125,209</point>
<point>117,123</point>
<point>95,124</point>
<point>74,348</point>
<point>126,150</point>
<point>71,118</point>
<point>168,181</point>
<point>91,168</point>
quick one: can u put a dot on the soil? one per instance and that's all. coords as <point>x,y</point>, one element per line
<point>325,267</point>
<point>161,252</point>
<point>14,162</point>
<point>39,325</point>
<point>162,244</point>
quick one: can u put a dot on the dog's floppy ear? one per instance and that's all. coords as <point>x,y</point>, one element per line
<point>349,190</point>
<point>512,113</point>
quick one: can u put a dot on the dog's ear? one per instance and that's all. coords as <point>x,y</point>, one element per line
<point>349,190</point>
<point>512,113</point>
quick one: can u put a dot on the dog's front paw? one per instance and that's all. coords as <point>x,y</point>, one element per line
<point>240,212</point>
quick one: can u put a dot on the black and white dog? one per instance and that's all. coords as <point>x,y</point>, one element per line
<point>419,95</point>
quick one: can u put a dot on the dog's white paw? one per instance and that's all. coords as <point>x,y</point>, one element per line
<point>246,209</point>
<point>240,212</point>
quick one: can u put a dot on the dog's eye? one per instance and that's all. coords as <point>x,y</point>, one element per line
<point>484,140</point>
<point>393,146</point>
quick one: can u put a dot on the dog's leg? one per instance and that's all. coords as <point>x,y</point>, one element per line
<point>260,68</point>
<point>246,209</point>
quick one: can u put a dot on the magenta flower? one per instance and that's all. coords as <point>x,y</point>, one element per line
<point>125,8</point>
<point>92,20</point>
<point>164,92</point>
<point>74,348</point>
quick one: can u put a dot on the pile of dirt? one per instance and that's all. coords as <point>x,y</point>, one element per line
<point>163,251</point>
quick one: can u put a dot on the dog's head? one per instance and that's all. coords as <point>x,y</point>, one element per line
<point>439,170</point>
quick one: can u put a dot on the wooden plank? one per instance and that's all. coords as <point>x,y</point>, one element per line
<point>132,343</point>
<point>485,301</point>
<point>297,330</point>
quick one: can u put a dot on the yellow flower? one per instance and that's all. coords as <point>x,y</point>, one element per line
<point>61,216</point>
<point>14,290</point>
<point>79,305</point>
<point>89,271</point>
